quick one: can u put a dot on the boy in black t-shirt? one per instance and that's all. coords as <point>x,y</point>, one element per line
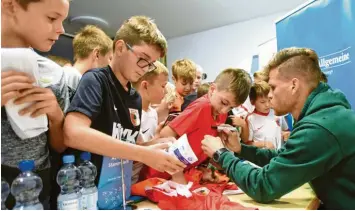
<point>104,116</point>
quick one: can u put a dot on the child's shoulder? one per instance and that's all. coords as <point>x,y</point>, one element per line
<point>200,104</point>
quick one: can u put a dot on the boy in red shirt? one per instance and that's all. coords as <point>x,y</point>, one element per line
<point>229,90</point>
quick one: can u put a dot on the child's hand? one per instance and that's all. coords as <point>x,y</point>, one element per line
<point>160,160</point>
<point>44,102</point>
<point>12,83</point>
<point>237,121</point>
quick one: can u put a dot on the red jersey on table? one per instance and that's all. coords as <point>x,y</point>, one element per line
<point>195,121</point>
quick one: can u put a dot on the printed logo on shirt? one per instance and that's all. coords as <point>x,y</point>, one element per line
<point>259,128</point>
<point>145,131</point>
<point>118,132</point>
<point>134,114</point>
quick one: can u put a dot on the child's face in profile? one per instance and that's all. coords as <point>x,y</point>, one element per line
<point>221,101</point>
<point>40,25</point>
<point>156,89</point>
<point>183,87</point>
<point>262,104</point>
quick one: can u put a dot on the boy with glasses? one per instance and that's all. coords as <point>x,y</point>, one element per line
<point>104,117</point>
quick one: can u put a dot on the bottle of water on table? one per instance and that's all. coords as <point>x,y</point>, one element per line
<point>26,187</point>
<point>5,190</point>
<point>68,178</point>
<point>89,190</point>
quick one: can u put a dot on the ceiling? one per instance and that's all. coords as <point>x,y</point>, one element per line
<point>176,17</point>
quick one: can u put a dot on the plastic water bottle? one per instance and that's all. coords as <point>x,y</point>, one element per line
<point>5,190</point>
<point>26,187</point>
<point>68,178</point>
<point>89,190</point>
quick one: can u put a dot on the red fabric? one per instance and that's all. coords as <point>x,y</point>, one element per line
<point>138,189</point>
<point>195,121</point>
<point>207,197</point>
<point>204,175</point>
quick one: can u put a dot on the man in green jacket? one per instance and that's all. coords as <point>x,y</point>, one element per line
<point>320,149</point>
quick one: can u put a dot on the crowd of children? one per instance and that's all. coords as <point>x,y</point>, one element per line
<point>114,101</point>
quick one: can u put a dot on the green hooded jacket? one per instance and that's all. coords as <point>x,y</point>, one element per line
<point>320,151</point>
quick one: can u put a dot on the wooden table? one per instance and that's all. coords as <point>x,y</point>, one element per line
<point>301,198</point>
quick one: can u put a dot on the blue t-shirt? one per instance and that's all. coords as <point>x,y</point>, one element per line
<point>115,112</point>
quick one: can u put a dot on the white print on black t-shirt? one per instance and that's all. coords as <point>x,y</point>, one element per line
<point>118,132</point>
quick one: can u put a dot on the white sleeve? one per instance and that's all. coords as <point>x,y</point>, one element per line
<point>251,130</point>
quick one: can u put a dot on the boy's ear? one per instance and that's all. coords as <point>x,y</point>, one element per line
<point>144,84</point>
<point>120,47</point>
<point>174,79</point>
<point>96,53</point>
<point>8,7</point>
<point>213,87</point>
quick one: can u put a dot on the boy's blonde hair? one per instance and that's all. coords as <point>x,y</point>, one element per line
<point>236,81</point>
<point>152,75</point>
<point>260,75</point>
<point>184,69</point>
<point>203,89</point>
<point>89,38</point>
<point>170,93</point>
<point>141,29</point>
<point>260,89</point>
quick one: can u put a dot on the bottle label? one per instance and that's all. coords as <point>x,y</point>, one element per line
<point>89,201</point>
<point>69,205</point>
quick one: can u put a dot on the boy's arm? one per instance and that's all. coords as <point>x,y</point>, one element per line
<point>79,135</point>
<point>167,131</point>
<point>244,135</point>
<point>247,138</point>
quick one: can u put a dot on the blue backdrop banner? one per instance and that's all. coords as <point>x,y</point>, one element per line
<point>328,27</point>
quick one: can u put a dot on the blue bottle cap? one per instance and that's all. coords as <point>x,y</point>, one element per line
<point>85,156</point>
<point>68,159</point>
<point>26,165</point>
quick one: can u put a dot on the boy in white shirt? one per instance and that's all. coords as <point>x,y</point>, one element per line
<point>92,49</point>
<point>151,87</point>
<point>264,132</point>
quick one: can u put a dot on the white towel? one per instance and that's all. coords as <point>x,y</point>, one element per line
<point>25,60</point>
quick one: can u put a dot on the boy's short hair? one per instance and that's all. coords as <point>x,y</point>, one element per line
<point>260,89</point>
<point>24,3</point>
<point>150,76</point>
<point>138,29</point>
<point>203,89</point>
<point>261,75</point>
<point>89,38</point>
<point>170,93</point>
<point>296,62</point>
<point>184,69</point>
<point>236,81</point>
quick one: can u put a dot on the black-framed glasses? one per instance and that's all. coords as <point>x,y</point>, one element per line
<point>142,63</point>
